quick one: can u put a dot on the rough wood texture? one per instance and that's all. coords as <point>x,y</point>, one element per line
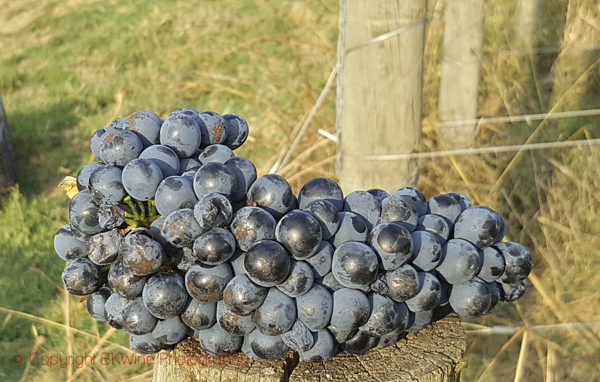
<point>379,93</point>
<point>529,13</point>
<point>7,170</point>
<point>434,354</point>
<point>463,36</point>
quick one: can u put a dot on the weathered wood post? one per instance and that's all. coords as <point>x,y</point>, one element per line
<point>379,92</point>
<point>463,36</point>
<point>529,13</point>
<point>7,169</point>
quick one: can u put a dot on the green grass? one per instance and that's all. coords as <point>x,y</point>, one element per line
<point>69,67</point>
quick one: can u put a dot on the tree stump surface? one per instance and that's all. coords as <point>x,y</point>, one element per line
<point>434,354</point>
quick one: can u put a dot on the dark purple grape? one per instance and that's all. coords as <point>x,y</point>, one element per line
<point>360,343</point>
<point>273,193</point>
<point>416,197</point>
<point>213,128</point>
<point>321,189</point>
<point>146,125</point>
<point>242,296</point>
<point>420,320</point>
<point>141,178</point>
<point>460,261</point>
<point>67,246</point>
<point>83,176</point>
<point>321,261</point>
<point>237,130</point>
<point>83,214</point>
<point>445,206</point>
<point>233,323</point>
<point>182,134</point>
<point>215,177</point>
<point>512,292</point>
<point>327,216</point>
<point>97,139</point>
<point>354,265</point>
<point>111,216</point>
<point>218,342</point>
<point>390,339</point>
<point>427,250</point>
<point>365,205</point>
<point>165,295</point>
<point>299,281</point>
<point>401,210</point>
<point>462,200</point>
<point>379,194</point>
<point>155,231</point>
<point>471,298</point>
<point>324,348</point>
<point>119,147</point>
<point>384,317</point>
<point>124,282</point>
<point>495,293</point>
<point>245,175</point>
<point>170,331</point>
<point>237,262</point>
<point>518,262</point>
<point>180,228</point>
<point>247,350</point>
<point>267,263</point>
<point>351,310</point>
<point>141,254</point>
<point>267,347</point>
<point>300,233</point>
<point>214,246</point>
<point>251,225</point>
<point>199,315</point>
<point>174,193</point>
<point>215,153</point>
<point>213,210</point>
<point>138,319</point>
<point>330,282</point>
<point>393,244</point>
<point>144,344</point>
<point>352,228</point>
<point>437,225</point>
<point>187,164</point>
<point>95,303</point>
<point>277,313</point>
<point>103,247</point>
<point>164,157</point>
<point>403,283</point>
<point>315,307</point>
<point>480,226</point>
<point>298,338</point>
<point>206,283</point>
<point>82,277</point>
<point>115,311</point>
<point>429,295</point>
<point>492,264</point>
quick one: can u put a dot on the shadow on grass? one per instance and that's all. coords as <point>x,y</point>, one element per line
<point>42,146</point>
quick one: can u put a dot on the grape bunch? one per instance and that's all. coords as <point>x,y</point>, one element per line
<point>172,235</point>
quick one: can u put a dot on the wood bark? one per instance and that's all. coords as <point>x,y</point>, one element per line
<point>435,354</point>
<point>7,169</point>
<point>379,96</point>
<point>463,37</point>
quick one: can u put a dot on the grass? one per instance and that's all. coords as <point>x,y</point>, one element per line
<point>69,67</point>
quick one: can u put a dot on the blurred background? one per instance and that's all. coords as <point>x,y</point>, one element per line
<point>502,75</point>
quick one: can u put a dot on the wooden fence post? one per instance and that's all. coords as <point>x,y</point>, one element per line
<point>7,169</point>
<point>463,36</point>
<point>379,92</point>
